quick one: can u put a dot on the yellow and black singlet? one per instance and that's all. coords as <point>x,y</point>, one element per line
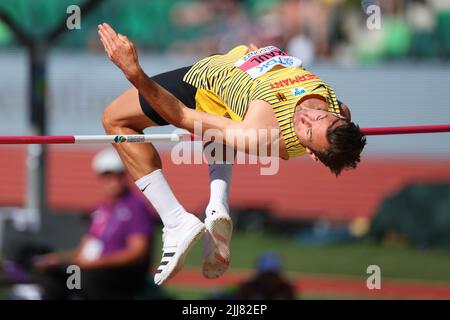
<point>226,84</point>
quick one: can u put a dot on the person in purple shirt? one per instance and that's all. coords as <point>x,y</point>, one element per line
<point>115,254</point>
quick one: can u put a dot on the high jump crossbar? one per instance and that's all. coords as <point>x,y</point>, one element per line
<point>177,137</point>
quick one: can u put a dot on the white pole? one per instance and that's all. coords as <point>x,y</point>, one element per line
<point>139,138</point>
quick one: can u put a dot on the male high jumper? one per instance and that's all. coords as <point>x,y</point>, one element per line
<point>245,89</point>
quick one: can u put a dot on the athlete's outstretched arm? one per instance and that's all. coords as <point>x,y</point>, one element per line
<point>123,54</point>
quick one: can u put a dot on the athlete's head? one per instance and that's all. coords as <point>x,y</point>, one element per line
<point>334,140</point>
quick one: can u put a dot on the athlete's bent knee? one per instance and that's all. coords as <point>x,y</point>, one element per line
<point>109,121</point>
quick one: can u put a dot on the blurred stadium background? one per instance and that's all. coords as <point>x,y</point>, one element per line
<point>394,211</point>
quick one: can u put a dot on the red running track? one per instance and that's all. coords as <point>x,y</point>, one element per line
<point>323,285</point>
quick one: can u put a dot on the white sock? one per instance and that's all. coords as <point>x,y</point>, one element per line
<point>158,192</point>
<point>220,178</point>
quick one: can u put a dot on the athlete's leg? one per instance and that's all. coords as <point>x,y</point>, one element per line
<point>124,116</point>
<point>219,227</point>
<point>181,229</point>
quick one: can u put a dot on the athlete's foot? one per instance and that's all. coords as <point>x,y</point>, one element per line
<point>177,242</point>
<point>216,250</point>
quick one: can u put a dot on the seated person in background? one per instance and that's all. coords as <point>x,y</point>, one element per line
<point>268,283</point>
<point>114,256</point>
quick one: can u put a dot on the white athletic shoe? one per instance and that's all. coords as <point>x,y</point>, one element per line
<point>177,242</point>
<point>216,250</point>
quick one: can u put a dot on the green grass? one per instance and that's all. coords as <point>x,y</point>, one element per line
<point>336,260</point>
<point>187,293</point>
<point>346,260</point>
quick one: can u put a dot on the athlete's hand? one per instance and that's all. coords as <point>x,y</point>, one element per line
<point>120,50</point>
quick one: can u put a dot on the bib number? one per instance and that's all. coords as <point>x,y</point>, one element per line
<point>257,63</point>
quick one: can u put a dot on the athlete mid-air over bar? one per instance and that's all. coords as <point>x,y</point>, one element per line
<point>246,88</point>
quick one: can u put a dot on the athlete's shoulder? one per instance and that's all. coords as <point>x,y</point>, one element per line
<point>234,54</point>
<point>242,48</point>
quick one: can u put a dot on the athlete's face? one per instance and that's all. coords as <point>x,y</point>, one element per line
<point>311,126</point>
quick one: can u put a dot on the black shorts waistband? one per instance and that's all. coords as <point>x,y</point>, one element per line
<point>173,82</point>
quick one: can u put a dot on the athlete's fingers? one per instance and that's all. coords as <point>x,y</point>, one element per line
<point>106,46</point>
<point>110,31</point>
<point>114,37</point>
<point>104,34</point>
<point>112,43</point>
<point>129,45</point>
<point>123,39</point>
<point>106,42</point>
<point>120,50</point>
<point>126,41</point>
<point>107,37</point>
<point>102,39</point>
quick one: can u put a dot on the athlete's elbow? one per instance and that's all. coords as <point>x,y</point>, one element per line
<point>178,120</point>
<point>183,119</point>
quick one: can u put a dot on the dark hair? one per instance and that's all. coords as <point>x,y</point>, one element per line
<point>347,143</point>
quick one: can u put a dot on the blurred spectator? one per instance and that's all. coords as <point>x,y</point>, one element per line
<point>218,24</point>
<point>5,34</point>
<point>315,22</point>
<point>309,29</point>
<point>268,283</point>
<point>302,47</point>
<point>114,256</point>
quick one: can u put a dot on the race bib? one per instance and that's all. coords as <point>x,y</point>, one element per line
<point>257,63</point>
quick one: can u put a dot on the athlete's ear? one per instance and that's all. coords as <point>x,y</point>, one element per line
<point>312,154</point>
<point>345,111</point>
